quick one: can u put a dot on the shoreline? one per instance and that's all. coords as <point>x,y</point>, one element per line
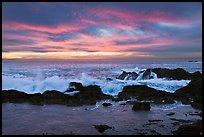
<point>79,120</point>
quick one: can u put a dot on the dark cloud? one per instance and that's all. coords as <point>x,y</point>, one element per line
<point>134,42</point>
<point>82,49</point>
<point>13,42</point>
<point>168,49</point>
<point>63,37</point>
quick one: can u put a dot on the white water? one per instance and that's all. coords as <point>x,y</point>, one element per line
<point>34,77</point>
<point>31,85</point>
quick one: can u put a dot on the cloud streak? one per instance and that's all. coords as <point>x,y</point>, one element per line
<point>101,30</point>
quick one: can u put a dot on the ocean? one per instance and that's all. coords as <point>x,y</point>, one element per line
<point>39,76</point>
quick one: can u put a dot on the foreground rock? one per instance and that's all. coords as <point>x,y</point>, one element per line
<point>102,128</point>
<point>106,104</point>
<point>191,129</point>
<point>176,74</point>
<point>87,96</point>
<point>141,106</point>
<point>143,92</point>
<point>191,94</point>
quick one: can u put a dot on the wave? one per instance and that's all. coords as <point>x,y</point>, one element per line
<point>40,84</point>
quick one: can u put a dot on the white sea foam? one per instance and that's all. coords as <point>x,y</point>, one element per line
<point>41,84</point>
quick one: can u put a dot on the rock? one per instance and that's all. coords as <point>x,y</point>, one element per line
<point>147,74</point>
<point>102,128</point>
<point>176,74</point>
<point>87,96</point>
<point>106,104</point>
<point>128,76</point>
<point>192,90</point>
<point>14,96</point>
<point>155,120</point>
<point>122,76</point>
<point>143,92</point>
<point>190,129</point>
<point>74,86</point>
<point>117,99</point>
<point>109,79</point>
<point>141,106</point>
<point>170,114</point>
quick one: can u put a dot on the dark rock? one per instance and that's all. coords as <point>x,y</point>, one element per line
<point>155,120</point>
<point>109,79</point>
<point>87,96</point>
<point>191,129</point>
<point>106,104</point>
<point>122,76</point>
<point>117,99</point>
<point>14,96</point>
<point>192,90</point>
<point>143,92</point>
<point>177,74</point>
<point>146,74</point>
<point>74,86</point>
<point>128,76</point>
<point>123,104</point>
<point>102,128</point>
<point>170,114</point>
<point>141,106</point>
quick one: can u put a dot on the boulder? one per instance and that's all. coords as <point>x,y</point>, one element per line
<point>141,106</point>
<point>191,94</point>
<point>190,129</point>
<point>143,92</point>
<point>102,128</point>
<point>176,74</point>
<point>106,104</point>
<point>14,96</point>
<point>74,86</point>
<point>128,76</point>
<point>147,74</point>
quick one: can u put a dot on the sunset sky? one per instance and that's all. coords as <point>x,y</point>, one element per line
<point>101,31</point>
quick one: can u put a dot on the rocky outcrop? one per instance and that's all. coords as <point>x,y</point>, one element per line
<point>190,129</point>
<point>191,94</point>
<point>128,76</point>
<point>147,74</point>
<point>141,106</point>
<point>87,95</point>
<point>143,92</point>
<point>176,74</point>
<point>102,128</point>
<point>106,104</point>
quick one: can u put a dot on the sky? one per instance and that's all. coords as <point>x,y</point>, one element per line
<point>101,30</point>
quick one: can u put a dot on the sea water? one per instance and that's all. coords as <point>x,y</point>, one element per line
<point>39,76</point>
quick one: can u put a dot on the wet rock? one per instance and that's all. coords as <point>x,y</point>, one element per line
<point>106,104</point>
<point>142,92</point>
<point>192,91</point>
<point>128,76</point>
<point>170,114</point>
<point>191,129</point>
<point>155,120</point>
<point>122,76</point>
<point>147,74</point>
<point>141,106</point>
<point>14,96</point>
<point>177,74</point>
<point>74,86</point>
<point>117,99</point>
<point>109,79</point>
<point>87,96</point>
<point>102,128</point>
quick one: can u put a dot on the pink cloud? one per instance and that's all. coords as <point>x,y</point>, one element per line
<point>61,28</point>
